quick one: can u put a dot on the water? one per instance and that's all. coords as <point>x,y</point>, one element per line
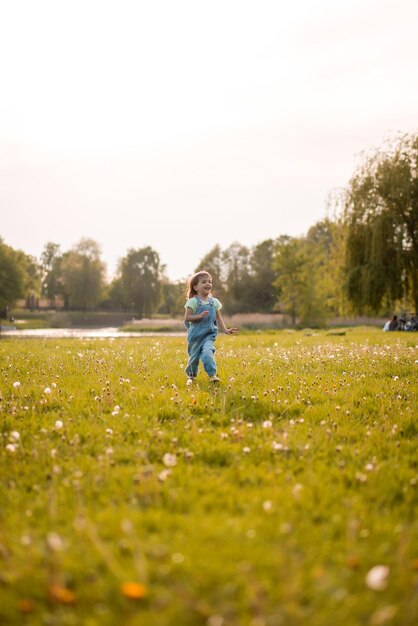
<point>82,333</point>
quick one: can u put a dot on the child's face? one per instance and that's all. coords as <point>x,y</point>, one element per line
<point>204,286</point>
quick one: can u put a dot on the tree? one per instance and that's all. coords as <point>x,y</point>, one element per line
<point>83,275</point>
<point>31,275</point>
<point>324,251</point>
<point>140,275</point>
<point>52,284</point>
<point>263,293</point>
<point>381,215</point>
<point>290,265</point>
<point>236,267</point>
<point>11,277</point>
<point>172,297</point>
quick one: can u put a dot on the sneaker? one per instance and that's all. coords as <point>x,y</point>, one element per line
<point>214,379</point>
<point>189,381</point>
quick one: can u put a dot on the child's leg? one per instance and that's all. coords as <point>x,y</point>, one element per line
<point>193,348</point>
<point>207,356</point>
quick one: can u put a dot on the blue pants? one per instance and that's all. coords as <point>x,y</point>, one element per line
<point>201,349</point>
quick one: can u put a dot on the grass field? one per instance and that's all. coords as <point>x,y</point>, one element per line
<point>286,495</point>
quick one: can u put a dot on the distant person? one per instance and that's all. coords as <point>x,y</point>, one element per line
<point>392,324</point>
<point>202,317</point>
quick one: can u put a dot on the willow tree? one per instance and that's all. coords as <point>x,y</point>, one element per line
<point>140,275</point>
<point>83,275</point>
<point>381,215</point>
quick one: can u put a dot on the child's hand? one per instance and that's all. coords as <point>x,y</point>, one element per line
<point>204,314</point>
<point>231,331</point>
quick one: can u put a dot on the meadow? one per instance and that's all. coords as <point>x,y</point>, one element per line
<point>286,495</point>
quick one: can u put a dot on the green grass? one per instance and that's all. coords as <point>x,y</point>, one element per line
<point>264,501</point>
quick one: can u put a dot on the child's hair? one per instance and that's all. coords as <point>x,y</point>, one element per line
<point>192,282</point>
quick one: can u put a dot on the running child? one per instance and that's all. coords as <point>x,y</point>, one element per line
<point>202,319</point>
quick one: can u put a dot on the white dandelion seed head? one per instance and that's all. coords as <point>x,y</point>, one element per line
<point>164,474</point>
<point>59,424</point>
<point>297,490</point>
<point>11,447</point>
<point>377,577</point>
<point>55,542</point>
<point>16,384</point>
<point>14,436</point>
<point>169,460</point>
<point>47,390</point>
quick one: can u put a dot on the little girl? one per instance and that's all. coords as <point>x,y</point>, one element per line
<point>201,319</point>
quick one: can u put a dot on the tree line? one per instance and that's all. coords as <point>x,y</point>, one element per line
<point>363,260</point>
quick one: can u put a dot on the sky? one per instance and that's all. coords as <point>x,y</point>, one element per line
<point>182,124</point>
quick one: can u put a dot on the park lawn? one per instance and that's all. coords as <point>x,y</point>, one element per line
<point>268,500</point>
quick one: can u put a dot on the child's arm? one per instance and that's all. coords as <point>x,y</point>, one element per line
<point>189,316</point>
<point>221,324</point>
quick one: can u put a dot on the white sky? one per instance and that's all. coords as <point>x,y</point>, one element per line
<point>181,124</point>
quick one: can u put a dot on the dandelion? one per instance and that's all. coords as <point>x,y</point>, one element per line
<point>25,605</point>
<point>16,384</point>
<point>164,474</point>
<point>61,595</point>
<point>134,591</point>
<point>267,424</point>
<point>55,542</point>
<point>286,528</point>
<point>177,557</point>
<point>377,577</point>
<point>47,390</point>
<point>267,506</point>
<point>11,447</point>
<point>362,478</point>
<point>246,450</point>
<point>59,424</point>
<point>279,447</point>
<point>169,460</point>
<point>383,615</point>
<point>297,490</point>
<point>14,436</point>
